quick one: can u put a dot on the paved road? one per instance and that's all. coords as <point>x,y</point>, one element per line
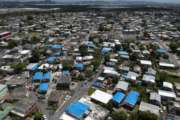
<point>171,56</point>
<point>79,92</point>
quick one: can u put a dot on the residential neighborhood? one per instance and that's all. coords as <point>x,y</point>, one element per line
<point>90,65</point>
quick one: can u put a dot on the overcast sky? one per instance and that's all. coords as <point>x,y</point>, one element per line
<point>163,1</point>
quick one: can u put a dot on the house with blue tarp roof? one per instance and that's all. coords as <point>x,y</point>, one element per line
<point>90,44</point>
<point>66,72</point>
<point>78,110</point>
<point>51,59</point>
<point>131,99</point>
<point>56,46</point>
<point>123,54</point>
<point>79,66</point>
<point>35,67</point>
<point>43,87</point>
<point>61,53</point>
<point>97,83</point>
<point>106,50</point>
<point>47,76</point>
<point>118,97</point>
<point>161,51</point>
<point>38,76</point>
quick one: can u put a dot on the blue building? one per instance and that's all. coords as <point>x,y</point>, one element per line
<point>131,99</point>
<point>56,46</point>
<point>118,97</point>
<point>78,110</point>
<point>43,87</point>
<point>38,76</point>
<point>79,66</point>
<point>51,59</point>
<point>47,76</point>
<point>106,50</point>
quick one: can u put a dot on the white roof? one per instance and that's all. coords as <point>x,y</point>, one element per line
<point>145,62</point>
<point>101,78</point>
<point>168,85</point>
<point>65,116</point>
<point>166,94</point>
<point>101,96</point>
<point>30,66</point>
<point>122,85</point>
<point>164,64</point>
<point>132,75</point>
<point>23,52</point>
<point>148,78</point>
<point>149,107</point>
<point>88,57</point>
<point>110,70</point>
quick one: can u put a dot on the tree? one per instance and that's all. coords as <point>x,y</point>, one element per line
<point>121,115</point>
<point>18,67</point>
<point>35,56</point>
<point>38,116</point>
<point>147,116</point>
<point>67,65</point>
<point>12,44</point>
<point>83,50</point>
<point>173,46</point>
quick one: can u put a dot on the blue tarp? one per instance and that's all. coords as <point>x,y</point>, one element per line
<point>35,67</point>
<point>59,53</point>
<point>79,66</point>
<point>51,59</point>
<point>43,87</point>
<point>132,98</point>
<point>123,53</point>
<point>97,83</point>
<point>106,50</point>
<point>77,109</point>
<point>56,46</point>
<point>161,50</point>
<point>90,44</point>
<point>118,97</point>
<point>47,75</point>
<point>66,72</point>
<point>124,56</point>
<point>37,76</point>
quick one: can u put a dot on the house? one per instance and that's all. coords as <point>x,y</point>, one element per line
<point>78,110</point>
<point>121,86</point>
<point>167,86</point>
<point>47,77</point>
<point>166,65</point>
<point>63,83</point>
<point>155,98</point>
<point>151,71</point>
<point>148,79</point>
<point>131,99</point>
<point>149,107</point>
<point>100,96</point>
<point>132,76</point>
<point>167,95</point>
<point>14,80</point>
<point>54,98</point>
<point>65,116</point>
<point>106,50</point>
<point>51,59</point>
<point>32,66</point>
<point>177,88</point>
<point>145,62</point>
<point>110,71</point>
<point>24,108</point>
<point>97,112</point>
<point>37,77</point>
<point>43,87</point>
<point>5,109</point>
<point>3,92</point>
<point>118,97</point>
<point>79,66</point>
